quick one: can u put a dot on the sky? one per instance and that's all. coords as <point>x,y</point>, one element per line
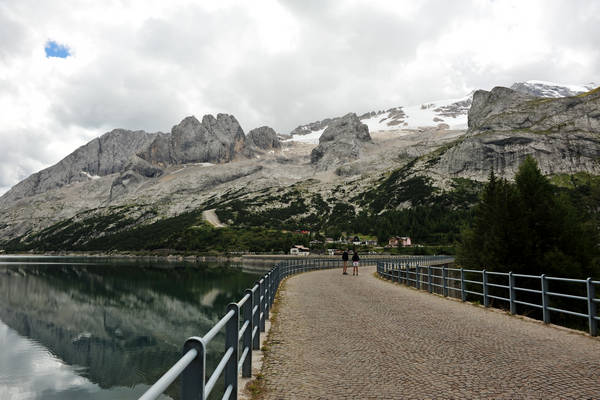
<point>71,71</point>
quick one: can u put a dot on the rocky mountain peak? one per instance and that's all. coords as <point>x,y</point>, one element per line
<point>108,154</point>
<point>504,109</point>
<point>496,101</point>
<point>348,126</point>
<point>506,126</point>
<point>213,140</point>
<point>341,142</point>
<point>263,138</point>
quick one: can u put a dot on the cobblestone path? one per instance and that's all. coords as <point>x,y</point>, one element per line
<point>346,337</point>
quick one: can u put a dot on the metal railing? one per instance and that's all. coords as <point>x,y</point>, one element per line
<point>251,312</point>
<point>421,276</point>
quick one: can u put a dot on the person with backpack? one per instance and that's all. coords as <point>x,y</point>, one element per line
<point>345,260</point>
<point>355,260</point>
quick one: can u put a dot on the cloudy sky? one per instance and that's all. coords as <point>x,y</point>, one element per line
<point>72,70</point>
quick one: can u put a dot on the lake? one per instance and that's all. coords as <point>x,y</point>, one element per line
<point>75,328</point>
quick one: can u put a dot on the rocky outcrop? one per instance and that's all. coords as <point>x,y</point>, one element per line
<point>503,109</point>
<point>214,140</point>
<point>506,126</point>
<point>263,138</point>
<point>136,172</point>
<point>496,102</point>
<point>341,142</point>
<point>105,155</point>
<point>555,153</point>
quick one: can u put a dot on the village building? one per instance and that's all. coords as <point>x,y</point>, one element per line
<point>399,241</point>
<point>299,250</point>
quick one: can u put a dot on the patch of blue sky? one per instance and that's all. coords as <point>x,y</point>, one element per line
<point>54,49</point>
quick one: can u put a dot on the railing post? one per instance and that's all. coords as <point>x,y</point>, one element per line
<point>261,303</point>
<point>273,280</point>
<point>256,319</point>
<point>247,342</point>
<point>267,296</point>
<point>445,280</point>
<point>592,309</point>
<point>463,294</point>
<point>511,289</point>
<point>387,271</point>
<point>193,377</point>
<point>418,277</point>
<point>546,312</point>
<point>232,330</point>
<point>429,287</point>
<point>485,288</point>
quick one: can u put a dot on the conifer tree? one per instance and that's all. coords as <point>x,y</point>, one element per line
<point>526,227</point>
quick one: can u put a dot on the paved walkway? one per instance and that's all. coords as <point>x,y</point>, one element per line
<point>346,337</point>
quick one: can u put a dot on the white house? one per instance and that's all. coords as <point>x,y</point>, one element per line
<point>299,250</point>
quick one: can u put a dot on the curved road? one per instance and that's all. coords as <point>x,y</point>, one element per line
<point>346,337</point>
<point>211,217</point>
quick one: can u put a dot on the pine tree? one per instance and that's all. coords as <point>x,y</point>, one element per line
<point>526,227</point>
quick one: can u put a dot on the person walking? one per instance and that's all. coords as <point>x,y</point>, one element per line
<point>345,260</point>
<point>355,260</point>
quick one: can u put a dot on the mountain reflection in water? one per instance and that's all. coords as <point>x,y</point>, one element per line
<point>104,330</point>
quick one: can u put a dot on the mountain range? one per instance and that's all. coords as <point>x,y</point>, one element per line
<point>135,178</point>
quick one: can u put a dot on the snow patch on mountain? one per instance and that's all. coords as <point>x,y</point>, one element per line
<point>551,89</point>
<point>310,138</point>
<point>89,176</point>
<point>452,112</point>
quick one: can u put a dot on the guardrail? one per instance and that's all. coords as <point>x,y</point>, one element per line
<point>424,276</point>
<point>251,312</point>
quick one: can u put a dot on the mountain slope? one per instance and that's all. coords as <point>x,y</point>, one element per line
<point>102,156</point>
<point>395,178</point>
<point>506,126</point>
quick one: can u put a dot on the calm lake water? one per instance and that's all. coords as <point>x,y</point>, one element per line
<point>76,328</point>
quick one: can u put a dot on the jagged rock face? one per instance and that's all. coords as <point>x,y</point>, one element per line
<point>504,109</point>
<point>105,155</point>
<point>506,126</point>
<point>341,142</point>
<point>264,138</point>
<point>555,153</point>
<point>496,102</point>
<point>135,173</point>
<point>213,140</point>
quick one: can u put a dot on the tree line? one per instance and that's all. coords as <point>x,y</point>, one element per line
<point>531,226</point>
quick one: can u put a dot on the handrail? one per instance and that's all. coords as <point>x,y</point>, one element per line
<point>252,310</point>
<point>218,326</point>
<point>396,272</point>
<point>165,381</point>
<point>243,300</point>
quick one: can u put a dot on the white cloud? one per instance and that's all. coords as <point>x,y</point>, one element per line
<point>148,64</point>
